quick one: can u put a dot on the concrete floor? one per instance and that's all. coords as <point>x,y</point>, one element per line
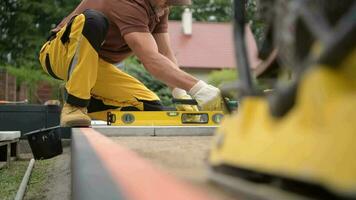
<point>58,185</point>
<point>60,174</point>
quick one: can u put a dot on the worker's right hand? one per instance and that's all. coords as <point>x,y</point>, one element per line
<point>207,96</point>
<point>178,93</point>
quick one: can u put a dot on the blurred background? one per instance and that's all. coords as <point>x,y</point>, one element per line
<point>203,46</point>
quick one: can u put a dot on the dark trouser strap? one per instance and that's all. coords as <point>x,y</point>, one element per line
<point>97,105</point>
<point>66,33</point>
<point>152,105</point>
<point>75,101</point>
<point>49,68</point>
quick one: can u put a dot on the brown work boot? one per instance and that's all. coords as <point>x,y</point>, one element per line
<point>72,116</point>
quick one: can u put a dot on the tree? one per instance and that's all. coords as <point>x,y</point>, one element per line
<point>25,24</point>
<point>206,10</point>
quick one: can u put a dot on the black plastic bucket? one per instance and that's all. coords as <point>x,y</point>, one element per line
<point>45,143</point>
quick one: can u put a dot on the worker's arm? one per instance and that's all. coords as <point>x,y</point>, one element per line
<point>145,48</point>
<point>164,46</point>
<point>161,67</point>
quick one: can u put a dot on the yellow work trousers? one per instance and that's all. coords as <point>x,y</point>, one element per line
<point>72,56</point>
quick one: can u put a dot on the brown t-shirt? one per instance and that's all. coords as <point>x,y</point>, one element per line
<point>125,16</point>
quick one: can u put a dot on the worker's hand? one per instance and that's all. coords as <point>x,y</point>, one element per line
<point>178,93</point>
<point>207,96</point>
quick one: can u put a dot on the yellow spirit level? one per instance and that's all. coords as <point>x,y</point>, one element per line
<point>164,118</point>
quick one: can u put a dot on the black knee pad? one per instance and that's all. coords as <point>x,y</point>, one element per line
<point>95,28</point>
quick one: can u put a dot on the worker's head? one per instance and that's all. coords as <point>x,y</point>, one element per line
<point>179,2</point>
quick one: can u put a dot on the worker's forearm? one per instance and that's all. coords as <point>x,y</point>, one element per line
<point>166,71</point>
<point>172,58</point>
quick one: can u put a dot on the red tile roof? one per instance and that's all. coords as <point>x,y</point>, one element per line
<point>209,47</point>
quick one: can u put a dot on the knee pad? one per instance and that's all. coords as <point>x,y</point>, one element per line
<point>95,27</point>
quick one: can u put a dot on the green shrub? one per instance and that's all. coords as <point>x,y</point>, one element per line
<point>217,78</point>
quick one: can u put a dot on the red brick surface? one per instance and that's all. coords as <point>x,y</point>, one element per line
<point>22,93</point>
<point>7,86</point>
<point>44,92</point>
<point>10,92</point>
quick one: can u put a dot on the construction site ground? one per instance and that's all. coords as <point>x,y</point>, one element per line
<point>182,157</point>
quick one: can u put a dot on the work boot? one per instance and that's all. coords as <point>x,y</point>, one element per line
<point>72,116</point>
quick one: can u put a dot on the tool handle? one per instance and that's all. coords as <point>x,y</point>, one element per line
<point>185,101</point>
<point>243,65</point>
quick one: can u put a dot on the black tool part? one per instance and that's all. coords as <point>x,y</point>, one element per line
<point>185,101</point>
<point>292,186</point>
<point>110,118</point>
<point>243,65</point>
<point>343,40</point>
<point>337,43</point>
<point>283,101</point>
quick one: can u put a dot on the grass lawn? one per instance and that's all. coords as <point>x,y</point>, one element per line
<point>11,178</point>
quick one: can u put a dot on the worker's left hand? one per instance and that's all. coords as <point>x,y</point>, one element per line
<point>178,93</point>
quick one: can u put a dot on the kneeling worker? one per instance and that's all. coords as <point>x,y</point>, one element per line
<point>84,47</point>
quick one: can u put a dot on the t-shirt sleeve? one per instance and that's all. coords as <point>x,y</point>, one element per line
<point>162,26</point>
<point>129,17</point>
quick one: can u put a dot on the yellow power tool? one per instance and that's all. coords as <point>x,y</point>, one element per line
<point>298,142</point>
